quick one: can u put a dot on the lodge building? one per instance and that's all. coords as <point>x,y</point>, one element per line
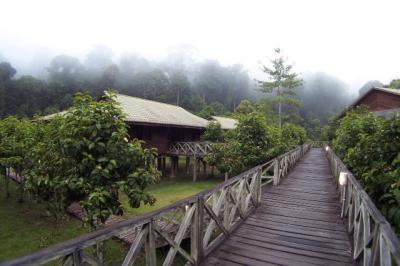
<point>383,102</point>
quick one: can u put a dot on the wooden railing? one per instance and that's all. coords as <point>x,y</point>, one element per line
<point>274,170</point>
<point>188,148</point>
<point>374,242</point>
<point>206,219</point>
<point>319,144</point>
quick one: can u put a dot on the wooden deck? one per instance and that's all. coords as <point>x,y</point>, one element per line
<point>298,223</point>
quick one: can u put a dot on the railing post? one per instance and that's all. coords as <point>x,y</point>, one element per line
<point>258,191</point>
<point>150,246</point>
<point>198,227</point>
<point>276,172</point>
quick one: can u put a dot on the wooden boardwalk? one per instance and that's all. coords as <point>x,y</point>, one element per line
<point>298,223</point>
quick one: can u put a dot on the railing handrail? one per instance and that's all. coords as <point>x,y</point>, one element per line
<point>357,205</point>
<point>249,190</point>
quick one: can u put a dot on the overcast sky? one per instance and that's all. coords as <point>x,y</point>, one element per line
<point>355,41</point>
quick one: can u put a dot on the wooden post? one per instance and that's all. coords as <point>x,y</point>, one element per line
<point>199,226</point>
<point>172,174</point>
<point>150,246</point>
<point>204,167</point>
<point>276,172</point>
<point>100,251</point>
<point>187,164</point>
<point>198,165</point>
<point>163,161</point>
<point>159,166</point>
<point>194,169</point>
<point>176,165</point>
<point>226,176</point>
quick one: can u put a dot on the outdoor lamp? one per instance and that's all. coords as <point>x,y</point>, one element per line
<point>327,148</point>
<point>342,178</point>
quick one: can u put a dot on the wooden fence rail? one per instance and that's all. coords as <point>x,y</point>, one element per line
<point>190,148</point>
<point>374,242</point>
<point>207,219</point>
<point>281,165</point>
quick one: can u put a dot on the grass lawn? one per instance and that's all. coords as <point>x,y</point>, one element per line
<point>169,191</point>
<point>25,228</point>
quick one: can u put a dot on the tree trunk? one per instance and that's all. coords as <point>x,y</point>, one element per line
<point>280,114</point>
<point>280,107</point>
<point>178,96</point>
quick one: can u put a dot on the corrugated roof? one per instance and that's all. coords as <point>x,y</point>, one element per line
<point>226,123</point>
<point>389,90</point>
<point>140,110</point>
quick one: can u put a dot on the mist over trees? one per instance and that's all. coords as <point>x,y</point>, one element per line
<point>204,87</point>
<point>179,79</point>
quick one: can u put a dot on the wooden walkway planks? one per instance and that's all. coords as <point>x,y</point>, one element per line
<point>298,223</point>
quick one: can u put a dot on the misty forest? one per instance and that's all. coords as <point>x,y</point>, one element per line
<point>127,158</point>
<point>205,88</point>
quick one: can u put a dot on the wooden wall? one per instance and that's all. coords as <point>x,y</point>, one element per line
<point>160,137</point>
<point>380,100</point>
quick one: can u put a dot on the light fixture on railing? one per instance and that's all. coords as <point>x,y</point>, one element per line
<point>342,178</point>
<point>327,148</point>
<point>186,207</point>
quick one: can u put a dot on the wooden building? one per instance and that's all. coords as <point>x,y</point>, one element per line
<point>381,101</point>
<point>160,124</point>
<point>174,131</point>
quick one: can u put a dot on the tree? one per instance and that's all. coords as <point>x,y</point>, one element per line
<point>179,87</point>
<point>245,107</point>
<point>207,112</point>
<point>67,71</point>
<point>395,84</point>
<point>86,156</point>
<point>214,133</point>
<point>15,142</point>
<point>6,73</point>
<point>251,143</point>
<point>369,146</point>
<point>282,82</point>
<point>293,135</point>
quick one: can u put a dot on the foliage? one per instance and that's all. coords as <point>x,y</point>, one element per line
<point>15,141</point>
<point>85,155</point>
<point>282,82</point>
<point>207,112</point>
<point>191,86</point>
<point>293,135</point>
<point>370,147</point>
<point>214,133</point>
<point>248,145</point>
<point>245,107</point>
<point>395,84</point>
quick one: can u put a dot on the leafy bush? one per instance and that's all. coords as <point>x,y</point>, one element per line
<point>214,133</point>
<point>251,143</point>
<point>370,147</point>
<point>86,155</point>
<point>293,135</point>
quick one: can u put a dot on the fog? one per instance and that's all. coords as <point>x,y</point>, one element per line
<point>355,41</point>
